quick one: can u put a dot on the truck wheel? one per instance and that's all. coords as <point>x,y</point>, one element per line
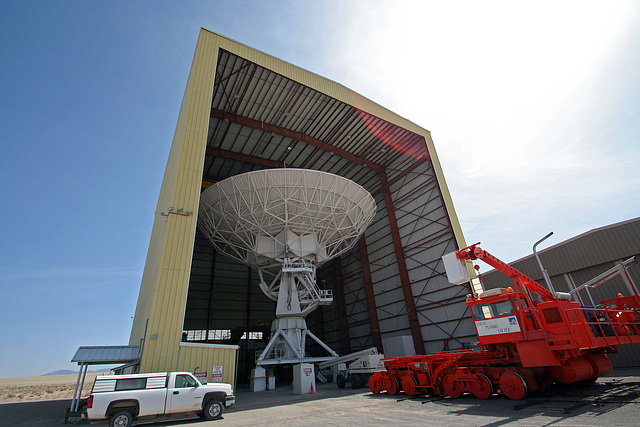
<point>121,419</point>
<point>340,381</point>
<point>355,381</point>
<point>213,410</point>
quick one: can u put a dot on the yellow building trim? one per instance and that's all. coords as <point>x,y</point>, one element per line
<point>163,293</point>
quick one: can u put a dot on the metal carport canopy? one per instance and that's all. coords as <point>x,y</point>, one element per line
<point>107,355</point>
<point>98,355</point>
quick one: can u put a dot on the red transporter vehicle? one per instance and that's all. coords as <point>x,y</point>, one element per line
<point>528,337</point>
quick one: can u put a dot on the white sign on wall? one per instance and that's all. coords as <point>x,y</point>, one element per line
<point>499,325</point>
<point>216,374</point>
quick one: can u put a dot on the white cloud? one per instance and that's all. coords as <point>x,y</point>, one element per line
<point>525,102</point>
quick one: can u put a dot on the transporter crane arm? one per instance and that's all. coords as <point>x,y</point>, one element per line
<point>525,345</point>
<point>474,252</point>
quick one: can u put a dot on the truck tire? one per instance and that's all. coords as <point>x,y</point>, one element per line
<point>340,381</point>
<point>121,419</point>
<point>355,381</point>
<point>213,410</point>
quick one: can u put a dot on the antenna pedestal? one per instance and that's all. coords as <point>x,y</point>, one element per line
<point>298,295</point>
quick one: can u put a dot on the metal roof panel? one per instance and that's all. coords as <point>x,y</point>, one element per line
<point>103,355</point>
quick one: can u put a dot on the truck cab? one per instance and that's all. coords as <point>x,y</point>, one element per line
<point>124,398</point>
<point>504,315</point>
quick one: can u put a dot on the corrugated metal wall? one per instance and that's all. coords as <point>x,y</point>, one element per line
<point>389,297</point>
<point>358,323</point>
<point>427,235</point>
<point>576,261</point>
<point>223,294</point>
<point>203,357</point>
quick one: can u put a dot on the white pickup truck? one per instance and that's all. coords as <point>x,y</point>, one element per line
<point>123,398</point>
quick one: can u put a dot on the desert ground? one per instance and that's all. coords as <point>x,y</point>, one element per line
<point>48,387</point>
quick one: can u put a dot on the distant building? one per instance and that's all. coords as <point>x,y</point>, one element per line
<point>244,110</point>
<point>575,261</point>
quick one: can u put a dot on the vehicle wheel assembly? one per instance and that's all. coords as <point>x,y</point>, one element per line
<point>541,382</point>
<point>213,410</point>
<point>391,384</point>
<point>121,419</point>
<point>482,388</point>
<point>355,381</point>
<point>375,384</point>
<point>340,381</point>
<point>410,385</point>
<point>513,385</point>
<point>600,364</point>
<point>452,387</point>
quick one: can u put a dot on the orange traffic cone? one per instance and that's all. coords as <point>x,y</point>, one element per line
<point>312,392</point>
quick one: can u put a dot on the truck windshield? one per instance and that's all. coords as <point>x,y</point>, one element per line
<point>488,311</point>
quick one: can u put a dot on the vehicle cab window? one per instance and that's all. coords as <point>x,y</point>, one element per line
<point>185,381</point>
<point>489,311</point>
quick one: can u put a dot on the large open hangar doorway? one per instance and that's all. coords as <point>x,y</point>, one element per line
<point>390,284</point>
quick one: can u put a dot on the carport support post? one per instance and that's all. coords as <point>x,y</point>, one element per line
<point>76,394</point>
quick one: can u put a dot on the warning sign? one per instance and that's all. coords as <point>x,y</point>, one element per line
<point>201,376</point>
<point>216,374</point>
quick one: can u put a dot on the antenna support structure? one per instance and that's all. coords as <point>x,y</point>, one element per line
<point>285,223</point>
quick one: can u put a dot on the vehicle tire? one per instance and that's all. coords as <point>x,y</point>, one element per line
<point>355,381</point>
<point>340,381</point>
<point>121,419</point>
<point>213,410</point>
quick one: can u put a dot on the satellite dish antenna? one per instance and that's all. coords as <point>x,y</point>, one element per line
<point>285,223</point>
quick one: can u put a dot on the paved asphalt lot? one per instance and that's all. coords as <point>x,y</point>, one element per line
<point>613,401</point>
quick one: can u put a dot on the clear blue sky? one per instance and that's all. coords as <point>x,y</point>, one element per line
<point>534,108</point>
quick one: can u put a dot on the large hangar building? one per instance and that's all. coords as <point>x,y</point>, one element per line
<point>242,111</point>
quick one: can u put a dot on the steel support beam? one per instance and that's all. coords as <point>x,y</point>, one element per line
<point>212,282</point>
<point>244,158</point>
<point>404,173</point>
<point>288,133</point>
<point>342,307</point>
<point>414,324</point>
<point>371,300</point>
<point>319,319</point>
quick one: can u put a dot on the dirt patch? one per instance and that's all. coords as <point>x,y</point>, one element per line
<point>49,387</point>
